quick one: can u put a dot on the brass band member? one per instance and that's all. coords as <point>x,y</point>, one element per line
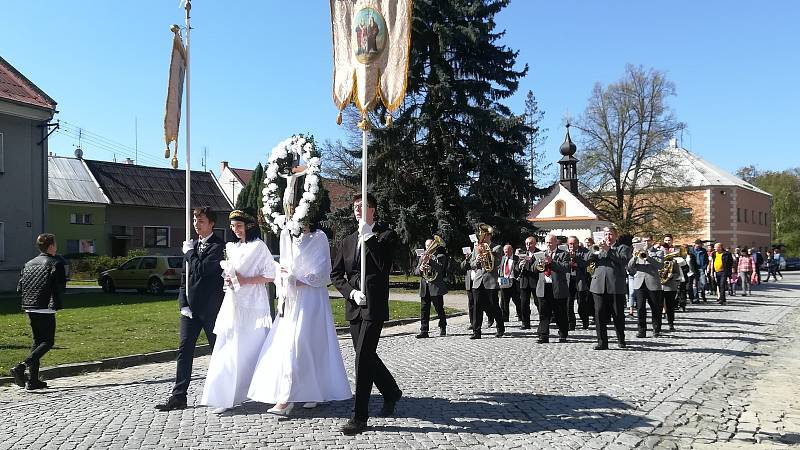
<point>432,269</point>
<point>645,266</point>
<point>552,290</point>
<point>578,283</point>
<point>608,286</point>
<point>484,282</point>
<point>508,271</point>
<point>527,282</point>
<point>670,288</point>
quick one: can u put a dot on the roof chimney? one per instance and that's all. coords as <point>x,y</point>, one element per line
<point>128,161</point>
<point>222,166</point>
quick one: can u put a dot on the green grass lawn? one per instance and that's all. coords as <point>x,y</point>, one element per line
<point>78,283</point>
<point>93,326</point>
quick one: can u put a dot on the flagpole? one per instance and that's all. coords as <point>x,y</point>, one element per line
<point>364,201</point>
<point>188,7</point>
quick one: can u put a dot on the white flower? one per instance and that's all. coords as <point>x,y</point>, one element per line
<point>313,161</point>
<point>308,196</point>
<point>313,189</point>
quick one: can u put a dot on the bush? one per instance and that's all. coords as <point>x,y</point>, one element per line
<point>94,265</point>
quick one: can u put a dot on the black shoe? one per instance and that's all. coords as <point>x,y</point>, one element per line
<point>469,327</point>
<point>657,334</point>
<point>172,403</point>
<point>585,326</point>
<point>525,326</point>
<point>18,372</point>
<point>32,385</point>
<point>475,336</point>
<point>422,335</point>
<point>388,406</point>
<point>542,341</point>
<point>601,347</point>
<point>442,331</point>
<point>641,334</point>
<point>500,333</point>
<point>490,323</point>
<point>572,327</point>
<point>622,344</point>
<point>672,328</point>
<point>562,339</point>
<point>353,426</point>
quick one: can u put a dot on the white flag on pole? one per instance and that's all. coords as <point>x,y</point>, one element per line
<point>177,75</point>
<point>371,43</point>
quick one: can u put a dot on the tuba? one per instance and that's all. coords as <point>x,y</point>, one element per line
<point>669,261</point>
<point>425,269</point>
<point>485,253</point>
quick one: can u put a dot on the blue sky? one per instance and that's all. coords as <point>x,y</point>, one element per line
<point>261,70</point>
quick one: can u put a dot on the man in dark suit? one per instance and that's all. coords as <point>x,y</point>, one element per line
<point>647,283</point>
<point>200,307</point>
<point>484,284</point>
<point>608,286</point>
<point>508,271</point>
<point>552,290</point>
<point>433,290</point>
<point>578,283</point>
<point>528,278</point>
<point>468,287</point>
<point>367,308</point>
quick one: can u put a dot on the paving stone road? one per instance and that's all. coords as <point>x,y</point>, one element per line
<point>725,379</point>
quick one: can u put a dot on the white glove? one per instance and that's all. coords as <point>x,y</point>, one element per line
<point>188,245</point>
<point>185,311</point>
<point>358,297</point>
<point>365,231</point>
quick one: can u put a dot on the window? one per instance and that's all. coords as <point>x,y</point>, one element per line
<point>648,217</point>
<point>561,208</point>
<point>72,246</point>
<point>220,233</point>
<point>685,213</point>
<point>752,216</point>
<point>130,265</point>
<point>175,262</point>
<point>157,237</point>
<point>2,158</point>
<point>2,241</point>
<point>745,215</point>
<point>738,214</point>
<point>80,219</point>
<point>760,218</point>
<point>148,263</point>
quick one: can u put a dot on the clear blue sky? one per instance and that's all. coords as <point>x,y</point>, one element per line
<point>261,70</point>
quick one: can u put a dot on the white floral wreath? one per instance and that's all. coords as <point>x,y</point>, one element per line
<point>281,159</point>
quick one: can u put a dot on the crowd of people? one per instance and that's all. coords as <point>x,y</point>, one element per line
<point>600,281</point>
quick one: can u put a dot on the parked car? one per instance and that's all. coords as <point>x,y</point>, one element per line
<point>792,264</point>
<point>151,274</point>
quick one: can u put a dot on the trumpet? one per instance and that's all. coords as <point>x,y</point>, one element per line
<point>643,254</point>
<point>424,268</point>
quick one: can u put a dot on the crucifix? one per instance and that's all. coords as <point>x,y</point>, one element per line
<point>295,176</point>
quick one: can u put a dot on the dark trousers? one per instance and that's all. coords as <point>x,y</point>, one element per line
<point>189,332</point>
<point>585,307</point>
<point>484,303</point>
<point>549,306</point>
<point>656,301</point>
<point>722,281</point>
<point>508,295</point>
<point>369,367</point>
<point>671,303</point>
<point>758,275</point>
<point>425,311</point>
<point>525,302</point>
<point>573,297</point>
<point>43,326</point>
<point>604,304</point>
<point>470,305</point>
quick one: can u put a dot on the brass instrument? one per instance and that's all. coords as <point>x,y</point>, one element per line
<point>593,265</point>
<point>539,265</point>
<point>666,270</point>
<point>425,269</point>
<point>485,254</point>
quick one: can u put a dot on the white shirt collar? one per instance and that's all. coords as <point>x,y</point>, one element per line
<point>205,239</point>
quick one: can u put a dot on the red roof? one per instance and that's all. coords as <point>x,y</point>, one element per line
<point>340,194</point>
<point>16,88</point>
<point>243,175</point>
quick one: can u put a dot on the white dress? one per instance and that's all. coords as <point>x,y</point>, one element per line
<point>242,326</point>
<point>301,360</point>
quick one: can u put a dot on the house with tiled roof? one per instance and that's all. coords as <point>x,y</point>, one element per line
<point>563,211</point>
<point>233,180</point>
<point>25,112</point>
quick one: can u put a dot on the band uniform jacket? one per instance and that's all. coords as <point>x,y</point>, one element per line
<point>438,265</point>
<point>346,273</point>
<point>559,270</point>
<point>513,273</point>
<point>581,275</point>
<point>481,277</point>
<point>205,279</point>
<point>646,271</point>
<point>528,277</point>
<point>609,273</point>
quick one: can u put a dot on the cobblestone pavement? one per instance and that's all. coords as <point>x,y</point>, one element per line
<point>720,380</point>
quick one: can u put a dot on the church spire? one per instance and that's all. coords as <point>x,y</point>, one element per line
<point>569,171</point>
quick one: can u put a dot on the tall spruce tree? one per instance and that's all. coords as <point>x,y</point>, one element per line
<point>454,155</point>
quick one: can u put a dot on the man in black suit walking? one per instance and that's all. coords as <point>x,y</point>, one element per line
<point>200,307</point>
<point>366,309</point>
<point>552,290</point>
<point>432,290</point>
<point>528,278</point>
<point>608,286</point>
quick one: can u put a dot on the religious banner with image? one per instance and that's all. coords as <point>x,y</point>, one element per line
<point>371,43</point>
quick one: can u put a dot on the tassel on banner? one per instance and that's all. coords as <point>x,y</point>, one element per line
<point>339,118</point>
<point>363,124</point>
<point>166,152</point>
<point>388,120</point>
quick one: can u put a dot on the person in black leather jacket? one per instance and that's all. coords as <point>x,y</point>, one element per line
<point>41,285</point>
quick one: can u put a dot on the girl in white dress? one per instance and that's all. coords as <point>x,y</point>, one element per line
<point>244,318</point>
<point>301,361</point>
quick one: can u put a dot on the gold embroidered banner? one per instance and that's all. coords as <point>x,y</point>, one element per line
<point>371,43</point>
<point>177,74</point>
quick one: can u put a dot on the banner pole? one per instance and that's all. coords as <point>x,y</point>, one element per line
<point>188,145</point>
<point>364,202</point>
